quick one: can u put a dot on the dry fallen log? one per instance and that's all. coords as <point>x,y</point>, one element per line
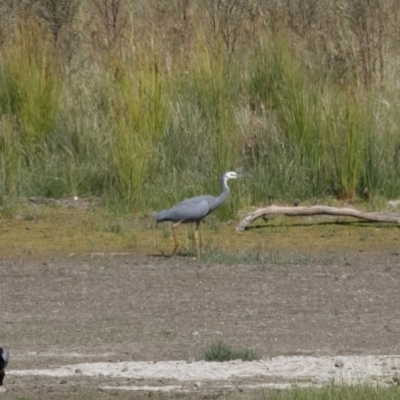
<point>318,210</point>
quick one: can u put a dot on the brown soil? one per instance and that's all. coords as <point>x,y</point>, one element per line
<point>58,310</point>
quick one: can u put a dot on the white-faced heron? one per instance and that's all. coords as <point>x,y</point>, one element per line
<point>195,209</point>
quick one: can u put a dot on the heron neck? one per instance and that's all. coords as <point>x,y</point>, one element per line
<point>224,190</point>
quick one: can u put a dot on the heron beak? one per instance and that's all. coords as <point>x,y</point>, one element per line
<point>244,176</point>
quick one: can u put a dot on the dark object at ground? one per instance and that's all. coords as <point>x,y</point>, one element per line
<point>4,357</point>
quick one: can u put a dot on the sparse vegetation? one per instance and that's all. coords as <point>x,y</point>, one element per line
<point>337,392</point>
<point>261,256</point>
<point>220,351</point>
<point>69,226</point>
<point>333,392</point>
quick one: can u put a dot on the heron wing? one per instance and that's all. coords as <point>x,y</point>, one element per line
<point>192,209</point>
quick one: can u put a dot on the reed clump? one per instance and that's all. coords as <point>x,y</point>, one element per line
<point>139,112</point>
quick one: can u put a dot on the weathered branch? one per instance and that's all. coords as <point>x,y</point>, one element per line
<point>319,210</point>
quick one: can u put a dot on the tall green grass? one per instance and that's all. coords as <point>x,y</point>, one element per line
<point>202,140</point>
<point>289,155</point>
<point>139,112</point>
<point>381,166</point>
<point>213,89</point>
<point>326,131</point>
<point>10,162</point>
<point>295,100</point>
<point>148,132</point>
<point>35,88</point>
<point>31,101</point>
<point>347,128</point>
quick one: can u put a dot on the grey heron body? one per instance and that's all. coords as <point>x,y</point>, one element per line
<point>4,357</point>
<point>193,210</point>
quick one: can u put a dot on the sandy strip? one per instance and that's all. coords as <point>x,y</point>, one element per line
<point>180,388</point>
<point>133,388</point>
<point>318,370</point>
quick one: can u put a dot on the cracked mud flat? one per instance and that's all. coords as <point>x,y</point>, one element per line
<point>102,324</point>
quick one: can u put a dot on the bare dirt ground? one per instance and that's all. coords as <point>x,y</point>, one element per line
<point>61,313</point>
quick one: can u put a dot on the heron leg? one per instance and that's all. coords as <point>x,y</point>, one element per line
<point>197,238</point>
<point>174,251</point>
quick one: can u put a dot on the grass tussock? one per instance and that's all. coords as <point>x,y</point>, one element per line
<point>220,351</point>
<point>32,86</point>
<point>10,162</point>
<point>140,112</point>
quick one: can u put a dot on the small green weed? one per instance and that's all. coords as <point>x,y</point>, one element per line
<point>329,233</point>
<point>366,234</point>
<point>29,216</point>
<point>220,351</point>
<point>166,230</point>
<point>114,226</point>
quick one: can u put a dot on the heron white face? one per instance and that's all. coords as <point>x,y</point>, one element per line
<point>231,175</point>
